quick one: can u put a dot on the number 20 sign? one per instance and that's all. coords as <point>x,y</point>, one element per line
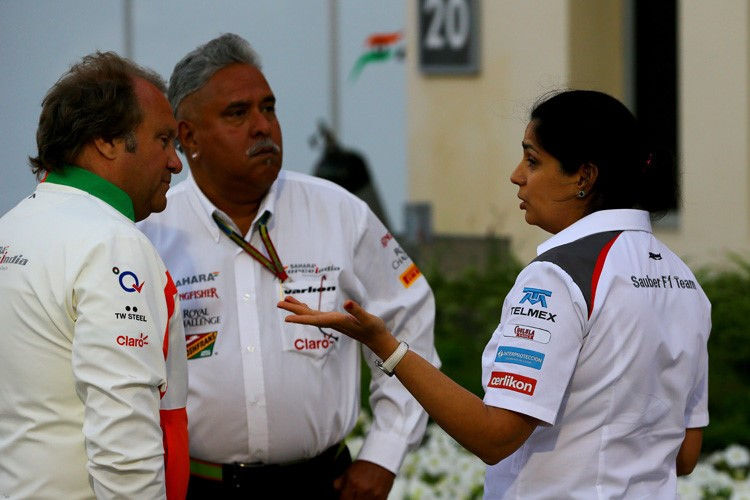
<point>449,36</point>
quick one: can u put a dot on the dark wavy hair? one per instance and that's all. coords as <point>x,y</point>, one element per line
<point>94,99</point>
<point>585,126</point>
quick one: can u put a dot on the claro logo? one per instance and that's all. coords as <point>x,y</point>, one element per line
<point>310,344</point>
<point>140,341</point>
<point>512,382</point>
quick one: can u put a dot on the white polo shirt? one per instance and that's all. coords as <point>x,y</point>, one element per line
<point>91,350</point>
<point>261,389</point>
<point>602,338</point>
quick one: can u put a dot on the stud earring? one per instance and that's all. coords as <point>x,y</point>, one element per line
<point>194,155</point>
<point>580,194</point>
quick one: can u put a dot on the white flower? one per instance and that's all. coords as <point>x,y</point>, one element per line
<point>689,490</point>
<point>741,490</point>
<point>737,456</point>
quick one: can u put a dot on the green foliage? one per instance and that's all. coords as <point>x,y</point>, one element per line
<point>729,355</point>
<point>468,311</point>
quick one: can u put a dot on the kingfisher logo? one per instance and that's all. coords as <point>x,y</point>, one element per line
<point>206,293</point>
<point>140,341</point>
<point>517,356</point>
<point>535,296</point>
<point>128,280</point>
<point>512,382</point>
<point>528,332</point>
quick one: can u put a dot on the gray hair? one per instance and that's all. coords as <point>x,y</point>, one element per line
<point>196,68</point>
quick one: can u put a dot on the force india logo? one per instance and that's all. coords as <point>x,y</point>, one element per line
<point>512,382</point>
<point>13,259</point>
<point>200,345</point>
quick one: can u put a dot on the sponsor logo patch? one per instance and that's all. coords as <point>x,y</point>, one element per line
<point>533,313</point>
<point>197,278</point>
<point>6,258</point>
<point>198,317</point>
<point>535,296</point>
<point>512,382</point>
<point>401,258</point>
<point>200,345</point>
<point>128,280</point>
<point>518,356</point>
<point>310,268</point>
<point>528,332</point>
<point>131,313</point>
<point>312,344</point>
<point>385,239</point>
<point>139,341</point>
<point>205,293</point>
<point>410,275</point>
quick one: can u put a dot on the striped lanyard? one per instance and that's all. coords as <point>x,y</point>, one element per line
<point>274,263</point>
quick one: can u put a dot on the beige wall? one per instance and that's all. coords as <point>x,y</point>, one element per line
<point>464,133</point>
<point>714,132</point>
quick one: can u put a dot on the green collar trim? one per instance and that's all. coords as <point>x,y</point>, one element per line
<point>84,180</point>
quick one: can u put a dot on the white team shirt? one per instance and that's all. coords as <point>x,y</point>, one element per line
<point>261,389</point>
<point>603,339</point>
<point>86,350</point>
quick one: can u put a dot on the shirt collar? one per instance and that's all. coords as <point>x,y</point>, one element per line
<point>625,219</point>
<point>206,208</point>
<point>82,179</point>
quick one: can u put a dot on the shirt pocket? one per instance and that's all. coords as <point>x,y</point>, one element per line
<point>319,293</point>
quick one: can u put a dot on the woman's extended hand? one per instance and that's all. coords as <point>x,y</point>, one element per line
<point>358,324</point>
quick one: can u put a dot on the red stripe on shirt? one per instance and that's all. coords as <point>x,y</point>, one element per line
<point>170,291</point>
<point>176,452</point>
<point>598,271</point>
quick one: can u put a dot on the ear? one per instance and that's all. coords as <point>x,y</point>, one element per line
<point>587,175</point>
<point>186,136</point>
<point>110,149</point>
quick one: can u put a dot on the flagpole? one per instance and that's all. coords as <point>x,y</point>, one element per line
<point>333,64</point>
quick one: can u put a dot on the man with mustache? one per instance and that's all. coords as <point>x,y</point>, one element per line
<point>269,402</point>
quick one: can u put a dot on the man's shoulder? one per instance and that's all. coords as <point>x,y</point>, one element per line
<point>291,182</point>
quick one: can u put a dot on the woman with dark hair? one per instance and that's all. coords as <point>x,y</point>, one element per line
<point>596,377</point>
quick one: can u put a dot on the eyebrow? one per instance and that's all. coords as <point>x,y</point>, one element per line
<point>526,145</point>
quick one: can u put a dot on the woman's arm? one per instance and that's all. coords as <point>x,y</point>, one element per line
<point>490,433</point>
<point>689,452</point>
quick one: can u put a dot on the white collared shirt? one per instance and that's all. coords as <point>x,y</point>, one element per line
<point>92,351</point>
<point>603,339</point>
<point>262,390</point>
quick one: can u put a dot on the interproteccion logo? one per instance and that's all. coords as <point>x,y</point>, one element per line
<point>535,296</point>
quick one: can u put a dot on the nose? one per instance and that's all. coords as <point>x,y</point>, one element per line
<point>174,165</point>
<point>260,124</point>
<point>517,177</point>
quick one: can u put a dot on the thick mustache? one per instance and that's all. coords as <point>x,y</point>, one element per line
<point>262,144</point>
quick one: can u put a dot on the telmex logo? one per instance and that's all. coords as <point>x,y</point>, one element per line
<point>140,341</point>
<point>128,280</point>
<point>512,382</point>
<point>535,295</point>
<point>528,332</point>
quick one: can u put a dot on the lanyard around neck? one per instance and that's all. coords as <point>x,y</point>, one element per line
<point>274,263</point>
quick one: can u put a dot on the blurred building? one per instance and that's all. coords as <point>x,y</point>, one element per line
<point>464,129</point>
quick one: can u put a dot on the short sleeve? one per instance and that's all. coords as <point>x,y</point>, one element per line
<point>531,357</point>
